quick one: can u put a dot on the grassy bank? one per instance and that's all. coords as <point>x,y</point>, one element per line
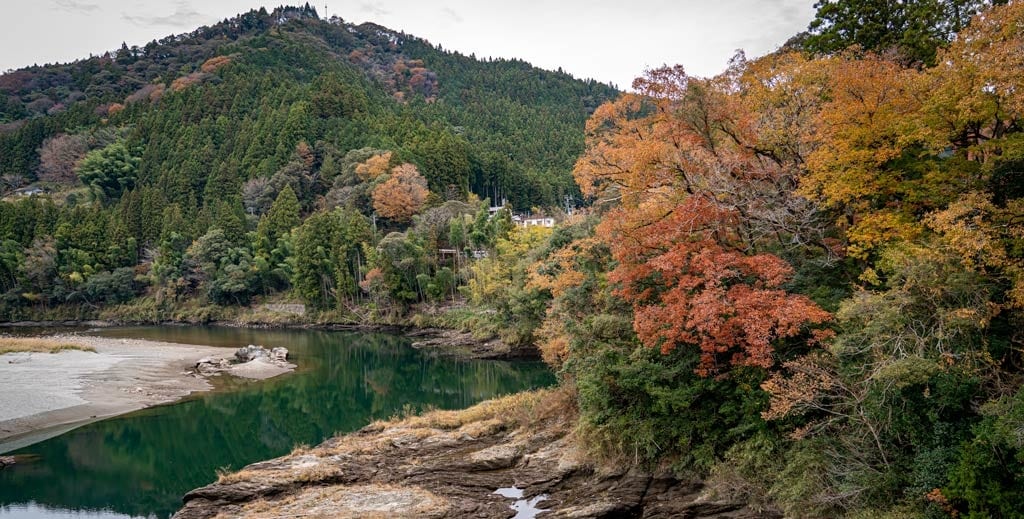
<point>25,344</point>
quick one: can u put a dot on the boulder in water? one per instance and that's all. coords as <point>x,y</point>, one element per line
<point>211,365</point>
<point>251,352</point>
<point>251,361</point>
<point>279,354</point>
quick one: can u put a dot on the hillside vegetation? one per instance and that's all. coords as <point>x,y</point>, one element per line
<point>807,283</point>
<point>183,169</point>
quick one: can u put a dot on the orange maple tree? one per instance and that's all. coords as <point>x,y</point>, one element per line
<point>402,194</point>
<point>696,196</point>
<point>374,166</point>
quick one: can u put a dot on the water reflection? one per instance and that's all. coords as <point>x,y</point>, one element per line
<point>141,464</point>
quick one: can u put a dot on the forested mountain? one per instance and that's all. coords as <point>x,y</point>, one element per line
<point>241,95</point>
<point>147,150</point>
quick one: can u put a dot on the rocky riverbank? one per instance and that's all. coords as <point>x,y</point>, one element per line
<point>465,345</point>
<point>441,341</point>
<point>488,461</point>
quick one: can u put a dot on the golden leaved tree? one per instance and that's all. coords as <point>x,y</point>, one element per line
<point>402,195</point>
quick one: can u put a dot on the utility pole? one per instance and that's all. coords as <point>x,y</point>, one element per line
<point>568,205</point>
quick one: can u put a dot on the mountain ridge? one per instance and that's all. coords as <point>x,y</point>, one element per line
<point>478,98</point>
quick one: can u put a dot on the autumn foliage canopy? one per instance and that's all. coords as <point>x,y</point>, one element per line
<point>696,198</point>
<point>890,192</point>
<point>402,194</point>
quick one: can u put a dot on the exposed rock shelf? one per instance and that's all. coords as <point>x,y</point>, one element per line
<point>465,345</point>
<point>449,464</point>
<point>249,361</point>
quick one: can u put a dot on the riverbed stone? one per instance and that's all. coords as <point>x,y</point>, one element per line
<point>254,362</point>
<point>495,457</point>
<point>208,366</point>
<point>251,352</point>
<point>279,354</point>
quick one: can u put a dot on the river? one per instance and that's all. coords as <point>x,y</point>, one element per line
<point>140,464</point>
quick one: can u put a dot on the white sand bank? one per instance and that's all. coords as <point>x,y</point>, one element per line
<point>44,394</point>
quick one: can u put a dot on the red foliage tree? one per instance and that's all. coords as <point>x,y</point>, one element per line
<point>682,158</point>
<point>690,286</point>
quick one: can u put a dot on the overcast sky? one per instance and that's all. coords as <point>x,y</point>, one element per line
<point>609,40</point>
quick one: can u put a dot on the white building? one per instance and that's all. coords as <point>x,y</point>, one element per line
<point>495,209</point>
<point>535,222</point>
<point>29,191</point>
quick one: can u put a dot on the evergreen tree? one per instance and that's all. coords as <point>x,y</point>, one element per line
<point>281,219</point>
<point>915,28</point>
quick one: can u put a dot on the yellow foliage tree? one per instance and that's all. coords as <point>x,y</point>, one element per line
<point>558,273</point>
<point>493,276</point>
<point>374,166</point>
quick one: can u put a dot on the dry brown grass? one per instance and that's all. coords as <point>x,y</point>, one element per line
<point>348,502</point>
<point>296,467</point>
<point>516,409</point>
<point>545,408</point>
<point>39,345</point>
<point>318,472</point>
<point>226,477</point>
<point>530,410</point>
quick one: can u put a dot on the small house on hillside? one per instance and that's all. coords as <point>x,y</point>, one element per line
<point>535,222</point>
<point>29,191</point>
<point>495,209</point>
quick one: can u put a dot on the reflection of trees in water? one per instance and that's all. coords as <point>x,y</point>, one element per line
<point>143,463</point>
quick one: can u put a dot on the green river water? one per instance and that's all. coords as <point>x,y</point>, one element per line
<point>140,464</point>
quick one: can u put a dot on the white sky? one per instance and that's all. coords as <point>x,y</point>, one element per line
<point>609,40</point>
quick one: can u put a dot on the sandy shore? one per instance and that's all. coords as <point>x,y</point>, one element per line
<point>45,394</point>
